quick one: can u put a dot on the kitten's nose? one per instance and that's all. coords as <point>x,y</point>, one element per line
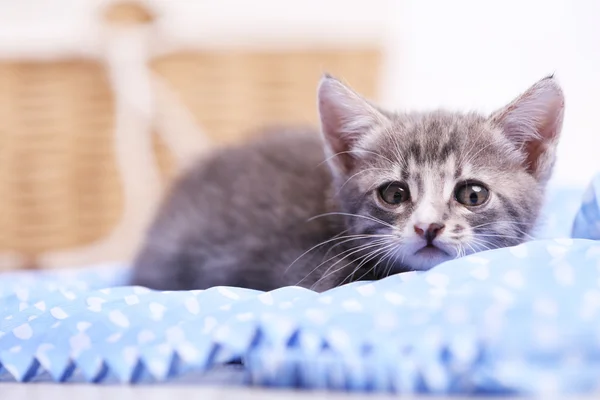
<point>429,232</point>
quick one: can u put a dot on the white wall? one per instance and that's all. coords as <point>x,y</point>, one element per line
<point>472,54</point>
<point>462,54</point>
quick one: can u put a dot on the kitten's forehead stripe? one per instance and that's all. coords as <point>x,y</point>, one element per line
<point>446,150</point>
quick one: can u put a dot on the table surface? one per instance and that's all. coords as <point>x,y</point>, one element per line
<point>13,391</point>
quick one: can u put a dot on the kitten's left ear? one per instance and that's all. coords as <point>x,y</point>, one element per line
<point>345,118</point>
<point>533,122</point>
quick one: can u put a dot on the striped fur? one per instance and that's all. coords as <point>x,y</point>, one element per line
<point>512,152</point>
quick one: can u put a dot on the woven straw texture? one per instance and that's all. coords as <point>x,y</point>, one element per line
<point>60,186</point>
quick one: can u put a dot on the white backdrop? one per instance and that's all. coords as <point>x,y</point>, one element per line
<point>471,54</point>
<point>462,54</point>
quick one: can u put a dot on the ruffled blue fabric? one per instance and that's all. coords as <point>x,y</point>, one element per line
<point>522,320</point>
<point>587,220</point>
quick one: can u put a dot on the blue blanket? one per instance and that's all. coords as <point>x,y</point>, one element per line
<point>520,320</point>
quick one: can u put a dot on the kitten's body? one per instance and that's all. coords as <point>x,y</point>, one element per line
<point>241,218</point>
<point>382,193</point>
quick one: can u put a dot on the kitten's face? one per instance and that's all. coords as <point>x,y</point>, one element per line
<point>442,185</point>
<point>433,187</point>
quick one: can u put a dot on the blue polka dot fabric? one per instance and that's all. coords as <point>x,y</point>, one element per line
<point>520,320</point>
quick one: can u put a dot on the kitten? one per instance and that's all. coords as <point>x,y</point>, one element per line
<point>376,194</point>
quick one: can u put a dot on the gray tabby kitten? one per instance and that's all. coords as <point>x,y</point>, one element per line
<point>376,194</point>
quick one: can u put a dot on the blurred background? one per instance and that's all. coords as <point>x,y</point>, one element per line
<point>102,102</point>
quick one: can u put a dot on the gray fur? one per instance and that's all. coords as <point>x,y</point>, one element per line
<point>298,208</point>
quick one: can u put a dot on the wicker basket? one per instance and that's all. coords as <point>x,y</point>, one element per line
<point>64,180</point>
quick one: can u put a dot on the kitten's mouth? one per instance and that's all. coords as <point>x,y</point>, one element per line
<point>431,250</point>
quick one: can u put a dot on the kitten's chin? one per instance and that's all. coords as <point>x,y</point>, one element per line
<point>426,258</point>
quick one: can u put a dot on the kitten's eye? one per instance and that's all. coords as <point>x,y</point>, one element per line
<point>394,193</point>
<point>471,194</point>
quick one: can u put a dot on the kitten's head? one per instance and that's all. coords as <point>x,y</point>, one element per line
<point>435,186</point>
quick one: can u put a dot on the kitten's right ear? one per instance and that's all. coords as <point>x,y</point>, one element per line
<point>345,118</point>
<point>533,122</point>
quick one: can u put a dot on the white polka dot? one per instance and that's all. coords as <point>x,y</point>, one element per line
<point>545,307</point>
<point>79,343</point>
<point>316,315</point>
<point>83,326</point>
<point>266,298</point>
<point>546,336</point>
<point>407,276</point>
<point>464,349</point>
<point>118,318</point>
<point>386,321</point>
<point>438,292</point>
<point>23,332</point>
<point>366,290</point>
<point>192,305</point>
<point>40,305</point>
<point>394,298</point>
<point>310,341</point>
<point>286,305</point>
<point>157,368</point>
<point>105,291</point>
<point>481,272</point>
<point>145,336</point>
<point>68,295</point>
<point>592,297</point>
<point>165,349</point>
<point>209,324</point>
<point>436,279</point>
<point>352,306</point>
<point>503,296</point>
<point>590,305</point>
<point>157,310</point>
<point>228,293</point>
<point>15,349</point>
<point>132,299</point>
<point>114,338</point>
<point>188,352</point>
<point>95,303</point>
<point>245,317</point>
<point>338,338</point>
<point>59,313</point>
<point>31,317</point>
<point>175,335</point>
<point>557,251</point>
<point>9,317</point>
<point>225,307</point>
<point>282,325</point>
<point>519,251</point>
<point>457,315</point>
<point>564,274</point>
<point>130,355</point>
<point>325,299</point>
<point>546,385</point>
<point>222,333</point>
<point>514,278</point>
